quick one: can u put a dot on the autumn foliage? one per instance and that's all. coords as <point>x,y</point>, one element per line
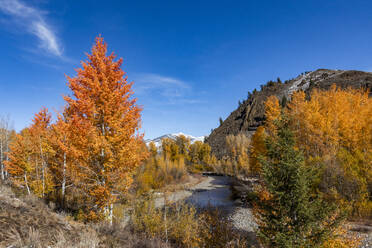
<point>30,155</point>
<point>106,122</point>
<point>238,157</point>
<point>313,158</point>
<point>93,148</point>
<point>258,148</point>
<point>333,128</point>
<point>330,131</point>
<point>171,163</point>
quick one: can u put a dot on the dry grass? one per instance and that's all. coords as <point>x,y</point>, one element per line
<point>181,225</point>
<point>27,221</point>
<point>119,235</point>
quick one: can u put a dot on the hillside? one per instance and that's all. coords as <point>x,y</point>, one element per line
<point>27,221</point>
<point>250,114</point>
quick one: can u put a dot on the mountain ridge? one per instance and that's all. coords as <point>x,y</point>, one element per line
<point>250,113</point>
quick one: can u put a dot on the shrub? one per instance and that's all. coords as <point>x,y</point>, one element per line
<point>177,224</point>
<point>182,226</point>
<point>342,239</point>
<point>217,231</point>
<point>159,172</point>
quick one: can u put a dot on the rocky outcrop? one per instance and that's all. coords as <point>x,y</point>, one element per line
<point>250,114</point>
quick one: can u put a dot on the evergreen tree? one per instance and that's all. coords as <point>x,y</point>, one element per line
<point>288,214</point>
<point>284,101</point>
<point>249,95</point>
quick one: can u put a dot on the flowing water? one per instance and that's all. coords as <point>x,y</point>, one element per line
<point>215,192</point>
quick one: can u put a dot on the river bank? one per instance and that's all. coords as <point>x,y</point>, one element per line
<point>213,191</point>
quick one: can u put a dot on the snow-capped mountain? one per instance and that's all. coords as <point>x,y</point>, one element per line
<point>173,136</point>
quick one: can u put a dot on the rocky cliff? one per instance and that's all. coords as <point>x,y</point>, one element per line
<point>250,113</point>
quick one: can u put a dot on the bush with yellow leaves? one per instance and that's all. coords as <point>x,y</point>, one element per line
<point>158,172</point>
<point>342,239</point>
<point>182,226</point>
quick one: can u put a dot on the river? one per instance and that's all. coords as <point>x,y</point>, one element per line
<point>214,191</point>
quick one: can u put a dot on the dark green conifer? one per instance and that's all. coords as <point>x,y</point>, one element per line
<point>221,121</point>
<point>283,102</point>
<point>292,216</point>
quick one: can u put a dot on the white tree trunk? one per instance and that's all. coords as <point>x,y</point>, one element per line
<point>42,168</point>
<point>6,151</point>
<point>165,217</point>
<point>4,144</point>
<point>111,214</point>
<point>28,189</point>
<point>64,177</point>
<point>2,159</point>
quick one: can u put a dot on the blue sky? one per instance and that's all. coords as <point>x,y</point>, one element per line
<point>191,61</point>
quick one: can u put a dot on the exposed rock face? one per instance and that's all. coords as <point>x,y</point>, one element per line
<point>250,114</point>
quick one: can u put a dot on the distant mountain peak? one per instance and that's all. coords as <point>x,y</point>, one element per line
<point>173,136</point>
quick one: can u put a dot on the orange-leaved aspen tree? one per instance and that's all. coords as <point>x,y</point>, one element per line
<point>29,156</point>
<point>19,165</point>
<point>106,122</point>
<point>42,151</point>
<point>62,164</point>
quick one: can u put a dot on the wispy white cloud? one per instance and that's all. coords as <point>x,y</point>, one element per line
<point>33,21</point>
<point>166,86</point>
<point>154,81</point>
<point>163,89</point>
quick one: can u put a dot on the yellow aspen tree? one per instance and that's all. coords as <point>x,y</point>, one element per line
<point>334,126</point>
<point>257,150</point>
<point>272,114</point>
